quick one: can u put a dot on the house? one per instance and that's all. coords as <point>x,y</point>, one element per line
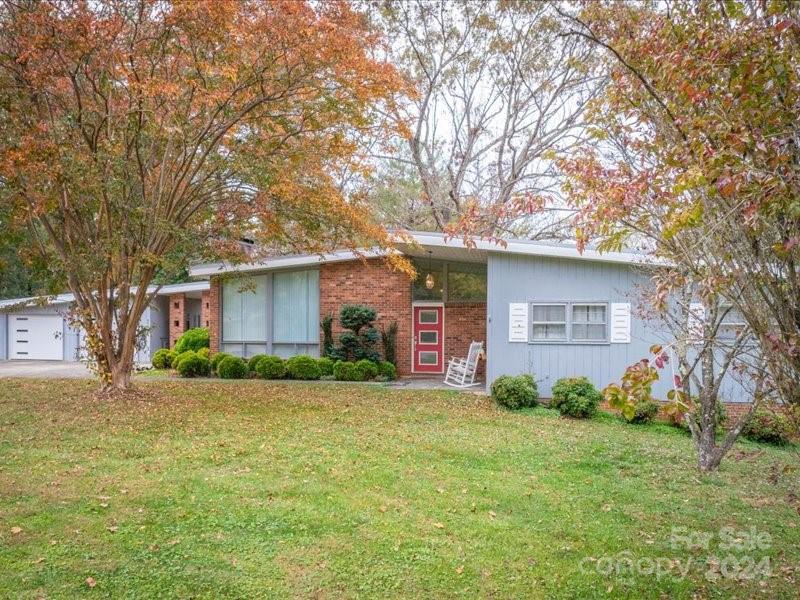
<point>39,328</point>
<point>543,309</point>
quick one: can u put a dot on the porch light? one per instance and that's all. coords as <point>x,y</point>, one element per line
<point>429,281</point>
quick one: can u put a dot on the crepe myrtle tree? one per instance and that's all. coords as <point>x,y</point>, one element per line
<point>706,344</point>
<point>696,155</point>
<point>137,133</point>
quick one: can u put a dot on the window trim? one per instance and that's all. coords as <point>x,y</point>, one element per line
<point>568,340</point>
<point>269,340</point>
<point>565,323</point>
<point>572,322</point>
<point>727,325</point>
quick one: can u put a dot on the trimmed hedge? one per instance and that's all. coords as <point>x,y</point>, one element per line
<point>179,356</point>
<point>193,339</point>
<point>346,371</point>
<point>217,358</point>
<point>193,365</point>
<point>271,367</point>
<point>253,362</point>
<point>232,367</point>
<point>303,367</point>
<point>768,426</point>
<point>576,397</point>
<point>325,366</point>
<point>387,370</point>
<point>645,411</point>
<point>366,369</point>
<point>162,359</point>
<point>515,392</point>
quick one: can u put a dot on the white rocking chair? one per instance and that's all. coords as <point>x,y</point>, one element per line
<point>461,371</point>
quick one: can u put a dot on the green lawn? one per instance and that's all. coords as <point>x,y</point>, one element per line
<point>251,489</point>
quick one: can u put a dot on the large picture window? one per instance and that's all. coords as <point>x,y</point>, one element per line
<point>276,313</point>
<point>244,309</point>
<point>295,315</point>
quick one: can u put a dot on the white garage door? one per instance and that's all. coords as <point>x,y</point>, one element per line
<point>35,337</point>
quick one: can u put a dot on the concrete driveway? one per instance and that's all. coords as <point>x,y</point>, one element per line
<point>44,369</point>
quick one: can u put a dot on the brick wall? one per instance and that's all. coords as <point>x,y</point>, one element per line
<point>733,410</point>
<point>375,285</point>
<point>463,324</point>
<point>205,309</point>
<point>389,293</point>
<point>213,298</point>
<point>177,317</point>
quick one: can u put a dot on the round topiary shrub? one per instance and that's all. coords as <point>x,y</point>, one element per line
<point>325,365</point>
<point>768,426</point>
<point>204,352</point>
<point>387,370</point>
<point>162,359</point>
<point>366,369</point>
<point>346,371</point>
<point>232,367</point>
<point>193,365</point>
<point>271,367</point>
<point>217,358</point>
<point>179,356</point>
<point>303,367</point>
<point>253,362</point>
<point>515,392</point>
<point>193,339</point>
<point>645,411</point>
<point>576,397</point>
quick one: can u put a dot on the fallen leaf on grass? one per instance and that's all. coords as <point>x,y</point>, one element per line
<point>438,525</point>
<point>16,530</point>
<point>492,514</point>
<point>460,569</point>
<point>90,581</point>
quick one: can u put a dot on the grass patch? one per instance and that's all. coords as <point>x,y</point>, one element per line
<point>249,488</point>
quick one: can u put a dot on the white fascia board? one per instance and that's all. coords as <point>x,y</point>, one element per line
<point>282,262</point>
<point>177,288</point>
<point>36,301</point>
<point>41,301</point>
<point>532,248</point>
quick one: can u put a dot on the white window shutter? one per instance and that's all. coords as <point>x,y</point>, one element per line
<point>518,322</point>
<point>697,316</point>
<point>620,323</point>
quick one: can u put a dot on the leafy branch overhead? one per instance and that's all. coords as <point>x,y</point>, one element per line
<point>135,132</point>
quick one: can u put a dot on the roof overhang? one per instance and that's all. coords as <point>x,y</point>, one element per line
<point>283,262</point>
<point>440,247</point>
<point>41,301</point>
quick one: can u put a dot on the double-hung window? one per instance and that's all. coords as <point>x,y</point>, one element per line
<point>589,322</point>
<point>732,323</point>
<point>549,322</point>
<point>579,322</point>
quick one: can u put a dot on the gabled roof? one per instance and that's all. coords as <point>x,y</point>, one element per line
<point>411,243</point>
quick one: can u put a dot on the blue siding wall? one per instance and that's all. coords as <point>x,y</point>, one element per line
<point>517,278</point>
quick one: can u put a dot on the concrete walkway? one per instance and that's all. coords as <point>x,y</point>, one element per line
<point>44,369</point>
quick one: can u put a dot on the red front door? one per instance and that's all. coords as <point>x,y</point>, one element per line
<point>428,339</point>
